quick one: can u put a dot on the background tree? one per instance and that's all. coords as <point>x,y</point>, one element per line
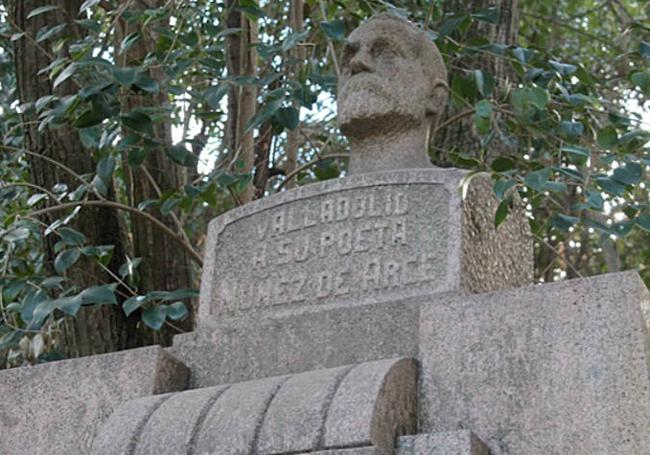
<point>127,125</point>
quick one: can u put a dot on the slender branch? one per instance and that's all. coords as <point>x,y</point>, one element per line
<point>116,205</point>
<point>560,255</point>
<point>309,164</point>
<point>57,164</point>
<point>453,119</point>
<point>30,185</point>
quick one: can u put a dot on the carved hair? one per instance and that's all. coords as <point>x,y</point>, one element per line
<point>423,49</point>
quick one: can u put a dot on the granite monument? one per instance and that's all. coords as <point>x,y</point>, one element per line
<point>378,314</point>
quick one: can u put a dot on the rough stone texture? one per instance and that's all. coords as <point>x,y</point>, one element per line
<point>360,415</point>
<point>362,239</point>
<point>57,408</point>
<point>354,451</point>
<point>251,348</point>
<point>232,425</point>
<point>119,434</point>
<point>173,427</point>
<point>295,419</point>
<point>392,87</point>
<point>493,258</point>
<point>554,369</point>
<point>461,442</point>
<point>271,416</point>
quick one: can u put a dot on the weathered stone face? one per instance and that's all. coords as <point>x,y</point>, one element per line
<point>391,88</point>
<point>382,82</point>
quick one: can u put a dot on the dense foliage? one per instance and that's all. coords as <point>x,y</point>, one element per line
<point>556,117</point>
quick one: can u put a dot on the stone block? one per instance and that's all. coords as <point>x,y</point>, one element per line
<point>57,408</point>
<point>231,428</point>
<point>362,239</point>
<point>553,369</point>
<point>462,442</point>
<point>296,416</point>
<point>363,415</point>
<point>282,415</point>
<point>295,341</point>
<point>173,427</point>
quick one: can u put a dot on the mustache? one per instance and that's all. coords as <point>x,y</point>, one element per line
<point>365,81</point>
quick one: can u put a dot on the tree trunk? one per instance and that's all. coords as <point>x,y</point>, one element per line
<point>165,266</point>
<point>95,329</point>
<point>461,136</point>
<point>242,99</point>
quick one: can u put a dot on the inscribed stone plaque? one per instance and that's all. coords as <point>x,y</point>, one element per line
<point>361,239</point>
<point>371,237</point>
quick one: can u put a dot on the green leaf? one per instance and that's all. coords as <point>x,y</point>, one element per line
<point>644,49</point>
<point>576,150</point>
<point>69,305</point>
<point>607,137</point>
<point>250,9</point>
<point>177,311</point>
<point>136,156</point>
<point>133,303</point>
<point>537,179</point>
<point>105,168</point>
<point>564,222</point>
<point>265,113</point>
<point>155,316</point>
<point>146,83</point>
<point>99,295</point>
<point>502,187</point>
<point>523,55</point>
<point>572,129</point>
<point>16,235</point>
<point>35,199</point>
<point>124,75</point>
<point>643,222</point>
<point>288,117</point>
<point>502,211</point>
<point>642,80</point>
<point>89,118</point>
<point>71,237</point>
<point>88,4</point>
<point>65,74</point>
<point>129,41</point>
<point>524,98</point>
<point>564,69</point>
<point>138,121</point>
<point>293,39</point>
<point>41,10</point>
<point>180,155</point>
<point>66,259</point>
<point>52,282</point>
<point>482,116</point>
<point>489,14</point>
<point>595,200</point>
<point>214,95</point>
<point>502,164</point>
<point>183,293</point>
<point>169,205</point>
<point>46,33</point>
<point>629,174</point>
<point>452,24</point>
<point>484,82</point>
<point>610,186</point>
<point>335,30</point>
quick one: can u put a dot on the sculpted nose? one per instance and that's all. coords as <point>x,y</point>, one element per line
<point>361,62</point>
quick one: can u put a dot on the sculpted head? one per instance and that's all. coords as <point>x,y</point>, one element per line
<point>393,81</point>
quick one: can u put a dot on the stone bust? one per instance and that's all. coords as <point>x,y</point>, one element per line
<point>391,90</point>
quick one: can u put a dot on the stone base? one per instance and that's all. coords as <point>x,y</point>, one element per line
<point>450,443</point>
<point>57,408</point>
<point>559,368</point>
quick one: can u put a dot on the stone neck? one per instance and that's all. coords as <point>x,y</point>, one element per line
<point>390,151</point>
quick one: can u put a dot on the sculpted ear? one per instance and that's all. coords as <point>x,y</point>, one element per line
<point>437,101</point>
